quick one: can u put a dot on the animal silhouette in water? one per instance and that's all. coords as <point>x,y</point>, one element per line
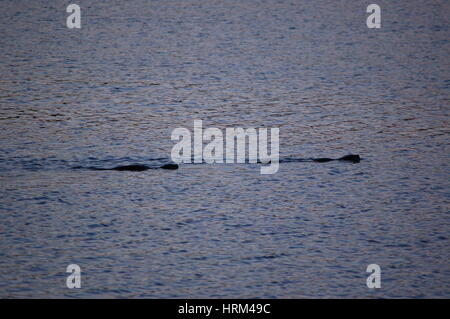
<point>353,158</point>
<point>139,167</point>
<point>133,167</point>
<point>349,158</point>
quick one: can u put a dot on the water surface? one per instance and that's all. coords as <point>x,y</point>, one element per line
<point>111,93</point>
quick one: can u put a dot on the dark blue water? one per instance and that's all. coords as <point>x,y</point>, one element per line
<point>111,93</point>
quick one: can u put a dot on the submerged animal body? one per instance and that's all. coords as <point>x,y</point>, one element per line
<point>170,166</point>
<point>133,167</point>
<point>354,158</point>
<point>140,168</point>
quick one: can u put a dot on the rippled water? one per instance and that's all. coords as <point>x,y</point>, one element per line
<point>112,92</point>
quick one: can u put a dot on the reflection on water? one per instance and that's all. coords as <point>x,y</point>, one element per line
<point>113,91</point>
